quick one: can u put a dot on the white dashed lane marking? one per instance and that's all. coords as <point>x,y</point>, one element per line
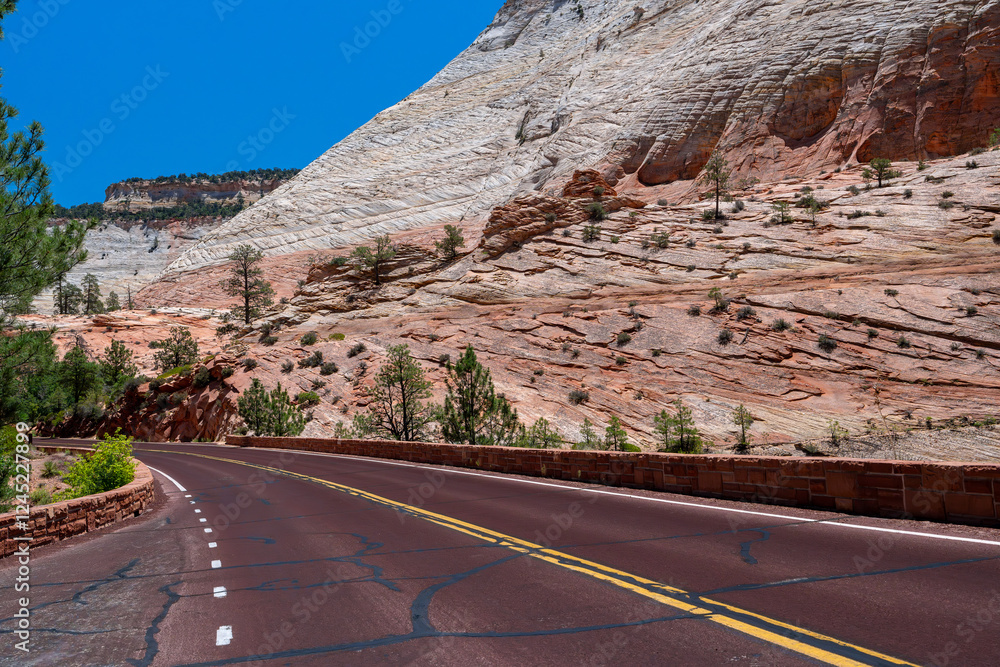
<point>219,591</point>
<point>208,530</point>
<point>224,635</point>
<point>216,564</point>
<point>212,545</point>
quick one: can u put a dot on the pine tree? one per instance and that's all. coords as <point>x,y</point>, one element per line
<point>677,432</point>
<point>397,410</point>
<point>117,364</point>
<point>78,373</point>
<point>743,419</point>
<point>540,435</point>
<point>245,282</point>
<point>615,437</point>
<point>92,304</point>
<point>113,303</point>
<point>473,412</point>
<point>452,241</point>
<point>180,349</point>
<point>717,177</point>
<point>588,436</point>
<point>285,419</point>
<point>374,260</point>
<point>67,297</point>
<point>253,408</point>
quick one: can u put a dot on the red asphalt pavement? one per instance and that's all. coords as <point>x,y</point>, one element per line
<point>302,574</point>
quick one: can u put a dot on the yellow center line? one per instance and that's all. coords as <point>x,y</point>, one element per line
<point>814,645</point>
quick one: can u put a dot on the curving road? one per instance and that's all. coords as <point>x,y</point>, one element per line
<point>288,558</point>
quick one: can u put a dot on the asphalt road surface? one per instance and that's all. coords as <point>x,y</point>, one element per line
<point>265,557</point>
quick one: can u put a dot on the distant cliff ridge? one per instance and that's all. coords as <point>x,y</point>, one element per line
<point>247,187</point>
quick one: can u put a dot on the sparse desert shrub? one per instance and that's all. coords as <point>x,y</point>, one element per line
<point>328,368</point>
<point>903,342</point>
<point>662,202</point>
<point>660,239</point>
<point>597,211</point>
<point>338,261</point>
<point>620,361</point>
<point>202,378</point>
<point>578,397</point>
<point>725,337</point>
<point>690,243</point>
<point>615,239</point>
<point>781,325</point>
<point>907,194</point>
<point>872,334</point>
<point>250,364</point>
<point>946,204</point>
<point>691,268</point>
<point>567,233</point>
<point>739,205</point>
<point>996,236</point>
<point>854,215</point>
<point>708,214</point>
<point>657,352</point>
<point>269,340</point>
<point>309,338</point>
<point>972,164</point>
<point>854,190</point>
<point>971,310</point>
<point>591,233</point>
<point>694,311</point>
<point>826,343</point>
<point>307,398</point>
<point>444,359</point>
<point>745,313</point>
<point>226,330</point>
<point>599,191</point>
<point>50,469</point>
<point>287,366</point>
<point>623,339</point>
<point>892,293</point>
<point>980,354</point>
<point>314,360</point>
<point>831,315</point>
<point>357,349</point>
<point>921,166</point>
<point>947,194</point>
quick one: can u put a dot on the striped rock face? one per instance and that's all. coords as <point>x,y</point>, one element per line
<point>642,91</point>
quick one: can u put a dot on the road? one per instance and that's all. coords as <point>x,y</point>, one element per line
<point>287,558</point>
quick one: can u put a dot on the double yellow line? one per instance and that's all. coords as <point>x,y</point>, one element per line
<point>819,647</point>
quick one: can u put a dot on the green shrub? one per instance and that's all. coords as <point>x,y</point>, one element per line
<point>250,364</point>
<point>597,211</point>
<point>947,194</point>
<point>694,310</point>
<point>903,342</point>
<point>40,497</point>
<point>309,338</point>
<point>226,372</point>
<point>745,313</point>
<point>781,325</point>
<point>891,293</point>
<point>50,469</point>
<point>972,164</point>
<point>578,397</point>
<point>357,349</point>
<point>328,368</point>
<point>725,337</point>
<point>337,336</point>
<point>269,340</point>
<point>623,339</point>
<point>591,233</point>
<point>827,344</point>
<point>620,361</point>
<point>907,194</point>
<point>202,378</point>
<point>872,334</point>
<point>110,467</point>
<point>996,236</point>
<point>287,366</point>
<point>314,360</point>
<point>307,398</point>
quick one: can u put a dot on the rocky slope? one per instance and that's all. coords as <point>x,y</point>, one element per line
<point>143,195</point>
<point>644,92</point>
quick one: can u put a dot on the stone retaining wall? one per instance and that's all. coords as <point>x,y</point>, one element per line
<point>954,492</point>
<point>58,521</point>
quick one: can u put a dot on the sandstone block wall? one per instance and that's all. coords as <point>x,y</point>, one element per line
<point>59,521</point>
<point>952,492</point>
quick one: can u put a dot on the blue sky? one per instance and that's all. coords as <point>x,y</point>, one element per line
<point>148,88</point>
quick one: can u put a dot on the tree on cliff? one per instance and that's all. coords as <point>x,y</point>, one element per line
<point>180,349</point>
<point>744,420</point>
<point>881,169</point>
<point>397,410</point>
<point>245,282</point>
<point>33,256</point>
<point>92,304</point>
<point>473,412</point>
<point>717,177</point>
<point>452,241</point>
<point>615,437</point>
<point>374,260</point>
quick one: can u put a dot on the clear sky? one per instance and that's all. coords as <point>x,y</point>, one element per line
<point>149,87</point>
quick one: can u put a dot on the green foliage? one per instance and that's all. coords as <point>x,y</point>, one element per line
<point>588,437</point>
<point>717,177</point>
<point>744,420</point>
<point>67,298</point>
<point>245,283</point>
<point>271,414</point>
<point>117,365</point>
<point>473,412</point>
<point>540,435</point>
<point>838,435</point>
<point>782,213</point>
<point>78,374</point>
<point>179,349</point>
<point>826,343</point>
<point>452,241</point>
<point>328,368</point>
<point>309,338</point>
<point>110,467</point>
<point>92,304</point>
<point>597,212</point>
<point>314,360</point>
<point>781,325</point>
<point>307,398</point>
<point>725,337</point>
<point>881,169</point>
<point>578,397</point>
<point>721,303</point>
<point>623,339</point>
<point>113,302</point>
<point>615,437</point>
<point>677,432</point>
<point>996,236</point>
<point>375,260</point>
<point>356,349</point>
<point>591,233</point>
<point>202,378</point>
<point>268,341</point>
<point>337,336</point>
<point>398,410</point>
